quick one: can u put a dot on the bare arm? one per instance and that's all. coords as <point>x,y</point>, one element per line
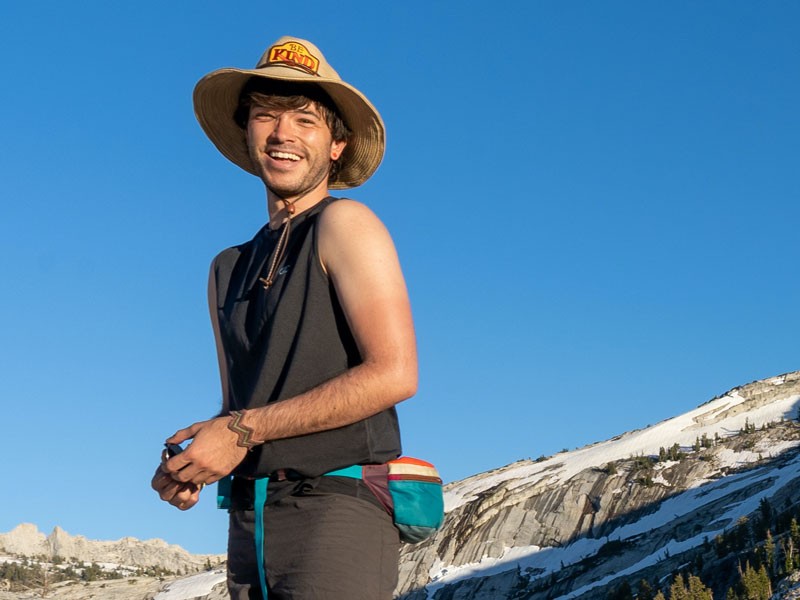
<point>359,256</point>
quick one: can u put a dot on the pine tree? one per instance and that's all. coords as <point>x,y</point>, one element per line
<point>623,592</point>
<point>92,572</point>
<point>765,508</point>
<point>698,590</point>
<point>788,556</point>
<point>678,589</point>
<point>764,583</point>
<point>755,584</point>
<point>720,546</point>
<point>741,533</point>
<point>645,591</point>
<point>769,553</point>
<point>675,452</point>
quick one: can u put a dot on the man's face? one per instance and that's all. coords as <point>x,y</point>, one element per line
<point>292,149</point>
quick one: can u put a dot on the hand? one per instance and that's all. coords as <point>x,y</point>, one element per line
<point>181,495</point>
<point>212,455</point>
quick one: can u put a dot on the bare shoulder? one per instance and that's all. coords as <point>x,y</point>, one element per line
<point>350,222</point>
<point>349,230</point>
<point>346,212</point>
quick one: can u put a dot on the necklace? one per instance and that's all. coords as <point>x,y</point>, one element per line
<point>280,248</point>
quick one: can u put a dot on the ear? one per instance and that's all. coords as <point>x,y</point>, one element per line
<point>337,148</point>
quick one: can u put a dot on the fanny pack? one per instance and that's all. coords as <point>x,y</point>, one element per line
<point>410,489</point>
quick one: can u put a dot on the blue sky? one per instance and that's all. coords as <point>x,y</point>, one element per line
<point>595,204</point>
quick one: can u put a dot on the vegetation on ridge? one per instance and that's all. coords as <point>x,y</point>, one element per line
<point>18,574</point>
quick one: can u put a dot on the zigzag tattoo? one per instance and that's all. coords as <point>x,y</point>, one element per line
<point>245,433</point>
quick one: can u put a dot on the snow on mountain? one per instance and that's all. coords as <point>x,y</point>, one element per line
<point>725,416</point>
<point>194,586</point>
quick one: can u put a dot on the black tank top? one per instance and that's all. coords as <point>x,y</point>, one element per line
<point>281,342</point>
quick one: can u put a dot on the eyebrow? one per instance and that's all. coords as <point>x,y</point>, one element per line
<point>308,111</point>
<point>304,110</point>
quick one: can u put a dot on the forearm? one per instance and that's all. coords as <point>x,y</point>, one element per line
<point>354,395</point>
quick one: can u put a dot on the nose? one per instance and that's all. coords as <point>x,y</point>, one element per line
<point>282,128</point>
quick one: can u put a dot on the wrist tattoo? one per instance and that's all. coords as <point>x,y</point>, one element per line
<point>244,432</point>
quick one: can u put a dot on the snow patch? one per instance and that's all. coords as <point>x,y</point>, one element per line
<point>193,586</point>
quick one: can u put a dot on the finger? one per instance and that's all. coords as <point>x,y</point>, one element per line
<point>173,465</point>
<point>179,436</point>
<point>187,497</point>
<point>169,491</point>
<point>180,462</point>
<point>155,482</point>
<point>176,493</point>
<point>182,435</point>
<point>213,478</point>
<point>160,480</point>
<point>193,474</point>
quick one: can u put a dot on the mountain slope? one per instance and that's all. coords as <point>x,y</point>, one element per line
<point>574,525</point>
<point>696,492</point>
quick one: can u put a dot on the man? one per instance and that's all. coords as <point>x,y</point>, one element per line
<point>314,337</point>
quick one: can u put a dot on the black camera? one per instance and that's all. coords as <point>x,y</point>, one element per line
<point>173,450</point>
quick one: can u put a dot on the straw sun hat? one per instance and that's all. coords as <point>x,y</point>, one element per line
<point>216,97</point>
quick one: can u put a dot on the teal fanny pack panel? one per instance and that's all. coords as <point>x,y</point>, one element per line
<point>417,504</point>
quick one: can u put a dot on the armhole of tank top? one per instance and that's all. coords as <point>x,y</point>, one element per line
<point>317,257</point>
<point>213,274</point>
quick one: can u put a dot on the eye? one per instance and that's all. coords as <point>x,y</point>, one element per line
<point>262,115</point>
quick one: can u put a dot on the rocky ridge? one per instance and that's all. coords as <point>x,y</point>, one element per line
<point>26,540</point>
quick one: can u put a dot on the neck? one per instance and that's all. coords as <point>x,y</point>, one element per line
<point>277,206</point>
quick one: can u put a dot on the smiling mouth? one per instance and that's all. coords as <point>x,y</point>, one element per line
<point>279,155</point>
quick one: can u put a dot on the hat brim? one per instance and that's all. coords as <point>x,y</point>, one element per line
<point>216,97</point>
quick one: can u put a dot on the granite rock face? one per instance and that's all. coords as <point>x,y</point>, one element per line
<point>565,526</point>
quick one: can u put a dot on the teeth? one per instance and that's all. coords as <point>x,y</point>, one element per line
<point>284,155</point>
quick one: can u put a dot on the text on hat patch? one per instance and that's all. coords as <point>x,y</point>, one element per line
<point>293,54</point>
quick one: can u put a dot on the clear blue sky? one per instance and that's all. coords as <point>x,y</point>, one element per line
<point>596,206</point>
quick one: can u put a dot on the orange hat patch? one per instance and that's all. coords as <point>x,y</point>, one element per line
<point>295,55</point>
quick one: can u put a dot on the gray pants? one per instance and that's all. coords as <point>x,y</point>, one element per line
<point>318,545</point>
